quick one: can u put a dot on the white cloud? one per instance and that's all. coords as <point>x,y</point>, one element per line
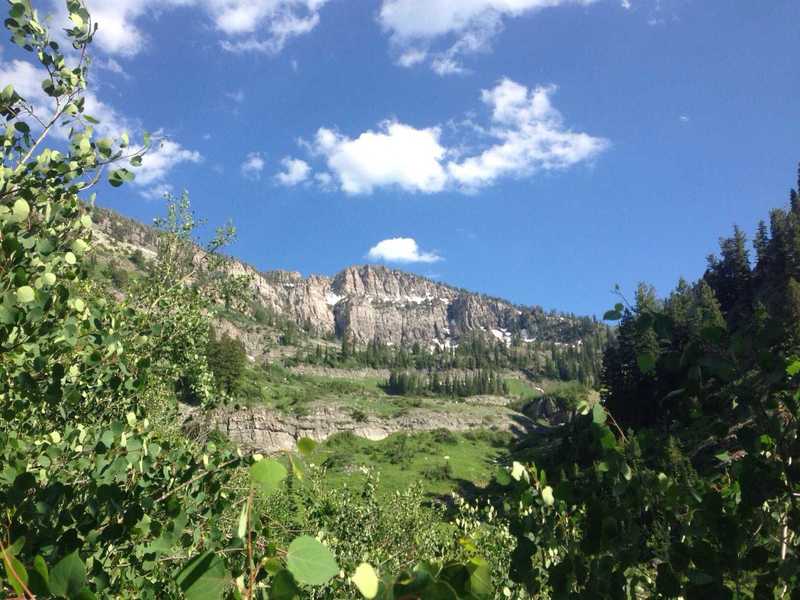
<point>283,18</point>
<point>159,161</point>
<point>117,32</point>
<point>295,171</point>
<point>27,81</point>
<point>397,154</point>
<point>445,65</point>
<point>421,19</point>
<point>252,166</point>
<point>112,123</point>
<point>401,250</point>
<point>325,182</point>
<point>526,134</point>
<point>259,25</point>
<point>530,137</point>
<point>284,23</point>
<point>411,57</point>
<point>416,24</point>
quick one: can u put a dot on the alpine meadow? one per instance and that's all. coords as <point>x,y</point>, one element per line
<point>182,417</point>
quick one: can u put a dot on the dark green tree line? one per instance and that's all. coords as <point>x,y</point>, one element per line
<point>405,383</point>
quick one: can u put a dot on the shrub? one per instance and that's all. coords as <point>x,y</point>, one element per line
<point>441,472</point>
<point>137,258</point>
<point>358,415</point>
<point>444,436</point>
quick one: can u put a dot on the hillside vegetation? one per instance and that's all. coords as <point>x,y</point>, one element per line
<point>373,317</point>
<point>680,479</point>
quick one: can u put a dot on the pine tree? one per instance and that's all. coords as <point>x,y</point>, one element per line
<point>705,310</point>
<point>730,276</point>
<point>226,359</point>
<point>627,390</point>
<point>761,242</point>
<point>348,346</point>
<point>792,315</point>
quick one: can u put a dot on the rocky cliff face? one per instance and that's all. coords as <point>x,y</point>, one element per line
<point>390,306</point>
<point>271,431</point>
<point>374,302</point>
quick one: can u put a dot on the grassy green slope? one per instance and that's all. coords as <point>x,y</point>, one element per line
<point>441,460</point>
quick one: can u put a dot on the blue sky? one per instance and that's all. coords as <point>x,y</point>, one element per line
<point>538,150</point>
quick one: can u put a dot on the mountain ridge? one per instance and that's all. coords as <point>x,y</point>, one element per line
<point>368,302</point>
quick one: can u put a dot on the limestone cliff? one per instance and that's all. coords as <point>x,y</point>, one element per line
<point>373,302</point>
<point>271,431</point>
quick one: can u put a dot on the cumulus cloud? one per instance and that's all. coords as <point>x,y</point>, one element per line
<point>295,171</point>
<point>526,134</point>
<point>530,136</point>
<point>246,25</point>
<point>396,154</point>
<point>276,23</point>
<point>27,81</point>
<point>157,163</point>
<point>117,32</point>
<point>469,25</point>
<point>401,250</point>
<point>253,165</point>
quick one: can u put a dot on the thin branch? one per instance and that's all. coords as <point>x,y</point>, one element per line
<point>194,480</point>
<point>93,181</point>
<point>252,579</point>
<point>615,424</point>
<point>56,117</point>
<point>10,566</point>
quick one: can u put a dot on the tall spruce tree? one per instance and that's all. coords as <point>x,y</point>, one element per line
<point>227,360</point>
<point>730,276</point>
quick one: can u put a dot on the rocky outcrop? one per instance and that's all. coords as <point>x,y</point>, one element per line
<point>469,312</point>
<point>373,302</point>
<point>269,431</point>
<point>548,409</point>
<point>306,301</point>
<point>349,374</point>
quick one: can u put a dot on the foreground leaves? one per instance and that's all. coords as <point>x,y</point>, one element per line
<point>68,578</point>
<point>204,578</point>
<point>267,475</point>
<point>15,572</point>
<point>310,561</point>
<point>366,580</point>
